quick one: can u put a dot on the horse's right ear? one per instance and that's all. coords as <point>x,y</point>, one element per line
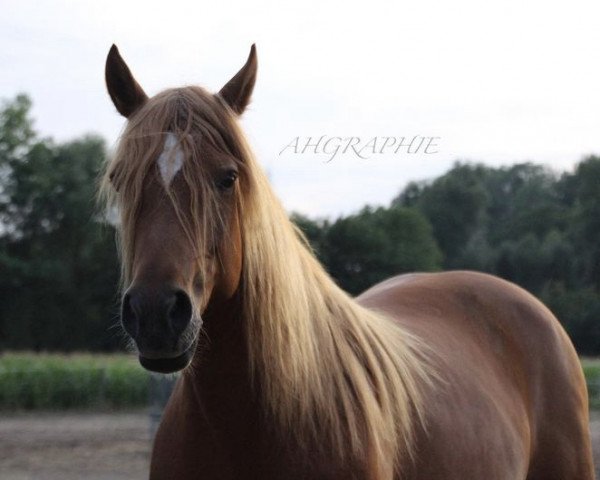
<point>125,92</point>
<point>238,90</point>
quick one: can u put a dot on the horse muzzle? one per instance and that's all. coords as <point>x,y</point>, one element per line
<point>162,324</point>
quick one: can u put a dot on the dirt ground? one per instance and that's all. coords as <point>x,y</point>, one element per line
<point>94,446</point>
<point>75,446</point>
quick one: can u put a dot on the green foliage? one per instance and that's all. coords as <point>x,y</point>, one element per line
<point>528,225</point>
<point>16,131</point>
<point>579,311</point>
<point>315,233</point>
<point>585,219</point>
<point>59,270</point>
<point>58,261</point>
<point>591,370</point>
<point>378,243</point>
<point>46,381</point>
<point>454,204</point>
<point>81,381</point>
<point>363,249</point>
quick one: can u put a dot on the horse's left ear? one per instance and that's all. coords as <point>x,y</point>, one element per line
<point>238,90</point>
<point>125,92</point>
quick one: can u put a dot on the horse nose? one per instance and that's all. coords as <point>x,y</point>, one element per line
<point>144,311</point>
<point>179,313</point>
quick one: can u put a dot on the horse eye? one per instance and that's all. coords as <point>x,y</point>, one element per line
<point>111,178</point>
<point>228,180</point>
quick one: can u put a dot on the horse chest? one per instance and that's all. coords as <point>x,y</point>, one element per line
<point>226,439</point>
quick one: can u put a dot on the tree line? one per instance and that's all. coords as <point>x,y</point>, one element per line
<point>526,223</point>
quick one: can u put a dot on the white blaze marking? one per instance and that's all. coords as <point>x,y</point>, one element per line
<point>170,160</point>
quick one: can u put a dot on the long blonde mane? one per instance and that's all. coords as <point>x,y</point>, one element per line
<point>333,374</point>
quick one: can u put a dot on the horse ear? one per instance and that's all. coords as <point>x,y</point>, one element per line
<point>238,90</point>
<point>125,92</point>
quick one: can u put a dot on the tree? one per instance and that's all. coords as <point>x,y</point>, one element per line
<point>585,219</point>
<point>454,205</point>
<point>58,262</point>
<point>374,244</point>
<point>315,233</point>
<point>526,224</point>
<point>58,265</point>
<point>522,199</point>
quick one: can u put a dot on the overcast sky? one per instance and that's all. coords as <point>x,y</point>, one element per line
<point>499,82</point>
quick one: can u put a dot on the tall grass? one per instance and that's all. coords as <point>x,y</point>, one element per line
<point>591,369</point>
<point>53,381</point>
<point>31,381</point>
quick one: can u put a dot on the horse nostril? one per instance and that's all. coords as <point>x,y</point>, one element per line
<point>129,318</point>
<point>180,311</point>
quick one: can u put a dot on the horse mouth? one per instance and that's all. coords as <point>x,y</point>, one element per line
<point>169,364</point>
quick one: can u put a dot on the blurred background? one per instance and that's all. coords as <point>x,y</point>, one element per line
<point>510,91</point>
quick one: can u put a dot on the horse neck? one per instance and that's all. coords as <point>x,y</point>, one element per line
<point>222,345</point>
<point>218,381</point>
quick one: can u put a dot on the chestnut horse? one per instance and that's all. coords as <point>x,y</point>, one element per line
<point>450,376</point>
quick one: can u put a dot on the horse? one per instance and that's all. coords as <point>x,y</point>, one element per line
<point>454,375</point>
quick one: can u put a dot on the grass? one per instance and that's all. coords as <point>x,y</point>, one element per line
<point>55,381</point>
<point>30,381</point>
<point>591,369</point>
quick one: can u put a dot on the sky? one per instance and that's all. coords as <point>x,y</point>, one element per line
<point>492,82</point>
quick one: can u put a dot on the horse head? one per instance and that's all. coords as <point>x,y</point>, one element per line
<point>176,180</point>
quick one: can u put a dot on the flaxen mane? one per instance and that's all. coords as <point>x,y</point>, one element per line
<point>337,375</point>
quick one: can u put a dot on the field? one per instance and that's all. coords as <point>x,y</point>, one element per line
<point>106,382</point>
<point>82,381</point>
<point>69,417</point>
<point>94,446</point>
<point>591,369</point>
